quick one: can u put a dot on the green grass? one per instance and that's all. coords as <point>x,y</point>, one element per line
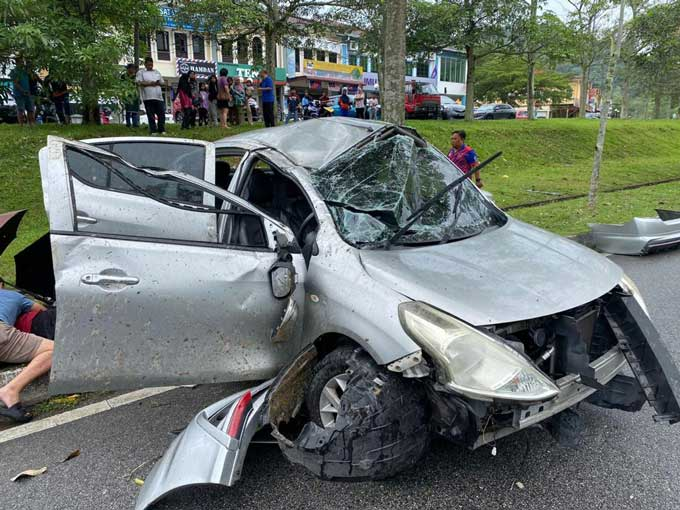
<point>552,156</point>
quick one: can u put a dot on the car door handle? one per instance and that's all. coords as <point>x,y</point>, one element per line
<point>81,218</point>
<point>107,279</point>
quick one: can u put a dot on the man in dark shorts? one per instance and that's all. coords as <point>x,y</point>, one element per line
<point>19,347</point>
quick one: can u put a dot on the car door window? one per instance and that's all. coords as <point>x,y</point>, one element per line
<point>137,204</point>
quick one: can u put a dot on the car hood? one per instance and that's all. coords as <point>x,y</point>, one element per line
<point>514,273</point>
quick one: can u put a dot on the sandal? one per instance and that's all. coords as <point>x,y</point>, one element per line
<point>17,412</point>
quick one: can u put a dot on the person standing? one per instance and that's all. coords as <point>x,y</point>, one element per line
<point>223,97</point>
<point>464,156</point>
<point>360,103</point>
<point>238,96</point>
<point>149,81</point>
<point>344,103</point>
<point>132,101</point>
<point>250,90</point>
<point>373,108</point>
<point>195,97</point>
<point>204,105</point>
<point>21,91</point>
<point>185,100</point>
<point>213,116</point>
<point>268,98</point>
<point>292,106</point>
<point>19,347</point>
<point>59,96</point>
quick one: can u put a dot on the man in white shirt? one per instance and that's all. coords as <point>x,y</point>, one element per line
<point>149,81</point>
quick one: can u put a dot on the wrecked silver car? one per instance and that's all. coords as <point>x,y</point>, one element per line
<point>324,257</point>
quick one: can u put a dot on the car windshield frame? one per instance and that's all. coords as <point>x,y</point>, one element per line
<point>373,226</point>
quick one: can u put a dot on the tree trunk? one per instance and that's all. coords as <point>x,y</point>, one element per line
<point>394,61</point>
<point>531,61</point>
<point>470,83</point>
<point>657,104</point>
<point>583,98</point>
<point>136,51</point>
<point>625,96</point>
<point>270,37</point>
<point>604,110</point>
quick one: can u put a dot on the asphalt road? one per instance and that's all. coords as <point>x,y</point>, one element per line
<point>626,462</point>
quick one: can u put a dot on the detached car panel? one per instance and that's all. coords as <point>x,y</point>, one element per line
<point>639,236</point>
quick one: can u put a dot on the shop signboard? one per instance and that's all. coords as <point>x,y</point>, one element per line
<point>322,69</point>
<point>202,68</point>
<point>246,71</point>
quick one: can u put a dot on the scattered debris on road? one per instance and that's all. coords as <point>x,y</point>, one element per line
<point>29,473</point>
<point>72,455</point>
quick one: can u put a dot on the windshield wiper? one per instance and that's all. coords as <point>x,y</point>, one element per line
<point>423,208</point>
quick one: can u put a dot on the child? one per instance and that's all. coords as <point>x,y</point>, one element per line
<point>203,105</point>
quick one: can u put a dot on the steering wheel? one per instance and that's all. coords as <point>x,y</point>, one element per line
<point>304,224</point>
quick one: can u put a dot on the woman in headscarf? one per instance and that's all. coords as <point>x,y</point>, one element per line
<point>213,116</point>
<point>184,94</point>
<point>238,94</point>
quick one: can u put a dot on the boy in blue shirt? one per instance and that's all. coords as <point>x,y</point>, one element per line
<point>20,347</point>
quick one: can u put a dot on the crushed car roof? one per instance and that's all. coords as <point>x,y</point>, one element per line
<point>311,143</point>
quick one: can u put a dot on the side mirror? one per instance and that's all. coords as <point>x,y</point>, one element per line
<point>282,279</point>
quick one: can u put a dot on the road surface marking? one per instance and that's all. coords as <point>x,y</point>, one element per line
<point>81,412</point>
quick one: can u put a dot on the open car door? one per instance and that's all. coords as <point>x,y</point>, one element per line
<point>164,297</point>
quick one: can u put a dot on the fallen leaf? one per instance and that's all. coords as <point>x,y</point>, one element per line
<point>72,455</point>
<point>139,481</point>
<point>520,485</point>
<point>29,472</point>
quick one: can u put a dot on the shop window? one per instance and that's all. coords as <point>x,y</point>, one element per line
<point>257,51</point>
<point>181,50</point>
<point>452,68</point>
<point>198,44</point>
<point>321,55</point>
<point>423,69</point>
<point>163,45</point>
<point>227,51</point>
<point>363,62</point>
<point>242,50</point>
<point>308,54</point>
<point>333,57</point>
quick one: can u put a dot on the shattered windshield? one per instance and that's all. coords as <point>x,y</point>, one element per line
<point>371,191</point>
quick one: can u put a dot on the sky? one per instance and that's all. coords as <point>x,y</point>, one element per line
<point>559,7</point>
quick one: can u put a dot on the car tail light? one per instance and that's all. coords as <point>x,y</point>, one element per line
<point>240,412</point>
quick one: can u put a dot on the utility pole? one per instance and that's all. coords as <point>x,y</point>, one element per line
<point>604,110</point>
<point>531,60</point>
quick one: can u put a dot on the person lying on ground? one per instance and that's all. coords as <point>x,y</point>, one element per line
<point>20,347</point>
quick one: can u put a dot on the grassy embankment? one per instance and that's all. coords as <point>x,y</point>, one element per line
<point>544,156</point>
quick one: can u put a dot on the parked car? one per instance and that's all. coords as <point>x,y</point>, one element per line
<point>377,314</point>
<point>450,109</point>
<point>494,111</point>
<point>524,114</point>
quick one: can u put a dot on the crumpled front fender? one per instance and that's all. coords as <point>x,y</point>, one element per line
<point>204,453</point>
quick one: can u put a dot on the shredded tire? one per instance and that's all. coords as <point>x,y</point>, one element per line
<point>382,427</point>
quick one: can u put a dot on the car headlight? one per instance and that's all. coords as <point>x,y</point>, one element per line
<point>471,362</point>
<point>628,285</point>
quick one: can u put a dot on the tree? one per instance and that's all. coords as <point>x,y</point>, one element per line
<point>584,24</point>
<point>656,52</point>
<point>604,110</point>
<point>280,21</point>
<point>394,58</point>
<point>543,38</point>
<point>504,77</point>
<point>78,41</point>
<point>483,28</point>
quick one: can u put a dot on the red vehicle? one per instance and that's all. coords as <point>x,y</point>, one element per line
<point>421,100</point>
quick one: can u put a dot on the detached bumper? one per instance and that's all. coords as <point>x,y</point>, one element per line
<point>639,236</point>
<point>571,393</point>
<point>204,453</point>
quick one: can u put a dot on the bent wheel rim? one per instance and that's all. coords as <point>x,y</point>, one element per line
<point>329,401</point>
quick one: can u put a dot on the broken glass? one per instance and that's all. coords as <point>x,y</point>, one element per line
<point>372,191</point>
